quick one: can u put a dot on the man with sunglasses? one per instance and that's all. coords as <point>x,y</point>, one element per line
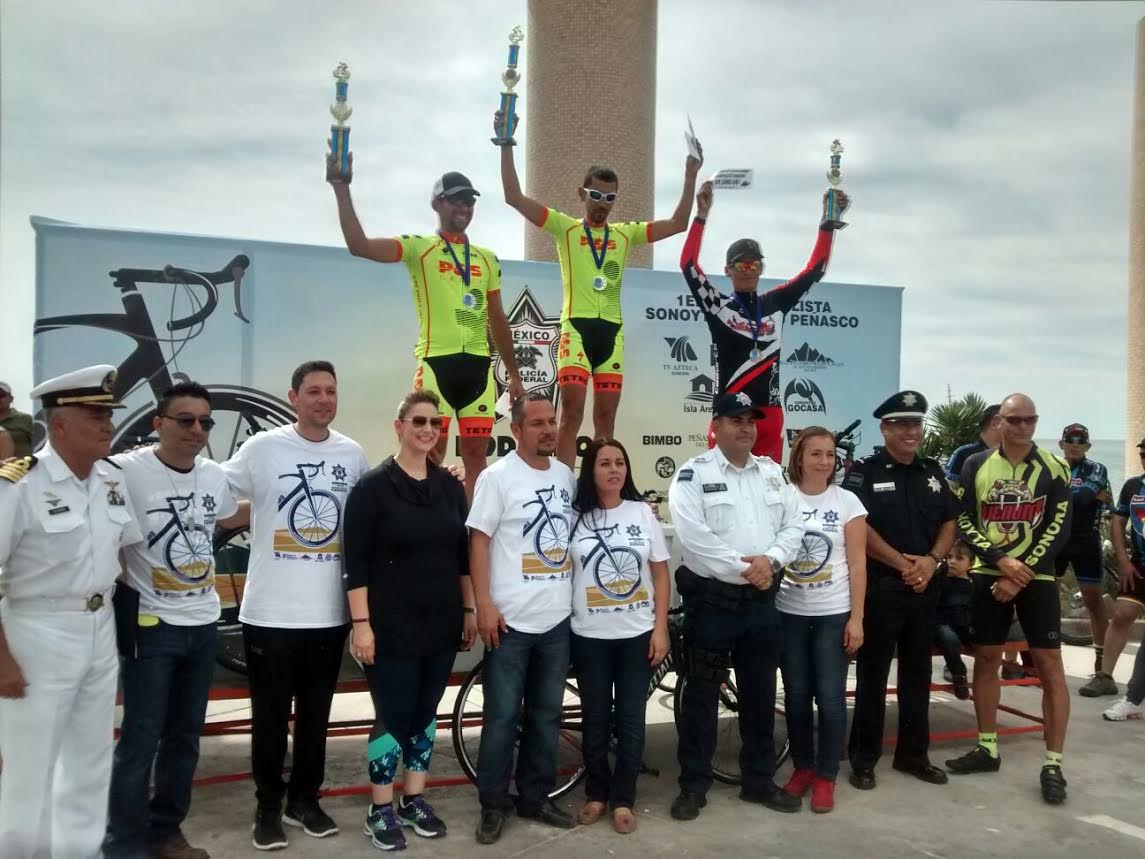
<point>746,327</point>
<point>593,254</point>
<point>1089,482</point>
<point>167,611</point>
<point>1015,516</point>
<point>1128,517</point>
<point>457,294</point>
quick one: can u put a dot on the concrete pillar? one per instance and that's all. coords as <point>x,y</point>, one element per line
<point>591,78</point>
<point>1135,352</point>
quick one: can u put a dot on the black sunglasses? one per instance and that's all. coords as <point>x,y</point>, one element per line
<point>186,422</point>
<point>420,421</point>
<point>1075,439</point>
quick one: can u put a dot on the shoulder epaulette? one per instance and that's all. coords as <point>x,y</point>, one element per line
<point>111,462</point>
<point>15,470</point>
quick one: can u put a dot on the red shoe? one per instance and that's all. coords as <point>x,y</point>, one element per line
<point>822,795</point>
<point>800,782</point>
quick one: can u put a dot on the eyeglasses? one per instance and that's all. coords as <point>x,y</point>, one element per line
<point>1075,439</point>
<point>747,265</point>
<point>1018,420</point>
<point>462,200</point>
<point>420,421</point>
<point>596,196</point>
<point>186,422</point>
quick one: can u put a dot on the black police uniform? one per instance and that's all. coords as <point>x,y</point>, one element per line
<point>907,504</point>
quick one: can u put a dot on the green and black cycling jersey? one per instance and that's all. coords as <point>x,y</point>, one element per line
<point>1021,511</point>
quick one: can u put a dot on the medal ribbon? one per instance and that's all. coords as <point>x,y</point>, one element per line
<point>757,316</point>
<point>599,260</point>
<point>456,262</point>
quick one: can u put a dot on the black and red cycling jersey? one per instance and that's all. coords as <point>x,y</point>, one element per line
<point>734,319</point>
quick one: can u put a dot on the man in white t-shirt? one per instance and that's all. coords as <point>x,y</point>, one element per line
<point>522,582</point>
<point>294,611</point>
<point>167,612</point>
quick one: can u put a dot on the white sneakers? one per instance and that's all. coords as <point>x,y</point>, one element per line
<point>1124,709</point>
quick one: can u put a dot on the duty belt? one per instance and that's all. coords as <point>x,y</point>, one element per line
<point>720,594</point>
<point>92,603</point>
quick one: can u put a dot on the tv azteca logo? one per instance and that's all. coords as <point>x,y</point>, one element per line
<point>803,395</point>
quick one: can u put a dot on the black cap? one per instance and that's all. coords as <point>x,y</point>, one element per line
<point>1078,430</point>
<point>743,249</point>
<point>903,406</point>
<point>1141,444</point>
<point>453,183</point>
<point>727,405</point>
<point>988,415</point>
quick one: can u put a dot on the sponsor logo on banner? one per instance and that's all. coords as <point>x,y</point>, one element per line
<point>791,434</point>
<point>665,467</point>
<point>535,340</point>
<point>683,360</point>
<point>803,395</point>
<point>808,359</point>
<point>818,314</point>
<point>699,399</point>
<point>662,440</point>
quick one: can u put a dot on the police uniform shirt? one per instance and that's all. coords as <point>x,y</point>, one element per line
<point>907,503</point>
<point>722,514</point>
<point>60,536</point>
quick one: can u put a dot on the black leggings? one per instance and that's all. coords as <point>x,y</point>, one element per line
<point>950,640</point>
<point>406,691</point>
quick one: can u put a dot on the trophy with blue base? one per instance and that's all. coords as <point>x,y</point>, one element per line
<point>340,110</point>
<point>835,201</point>
<point>507,113</point>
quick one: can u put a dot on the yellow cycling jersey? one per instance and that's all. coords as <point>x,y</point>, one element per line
<point>452,316</point>
<point>590,291</point>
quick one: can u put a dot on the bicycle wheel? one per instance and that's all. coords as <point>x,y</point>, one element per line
<point>239,414</point>
<point>617,573</point>
<point>188,554</point>
<point>468,713</point>
<point>313,520</point>
<point>725,759</point>
<point>551,540</point>
<point>232,553</point>
<point>811,557</point>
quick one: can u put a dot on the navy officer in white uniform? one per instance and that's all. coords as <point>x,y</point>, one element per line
<point>64,515</point>
<point>739,524</point>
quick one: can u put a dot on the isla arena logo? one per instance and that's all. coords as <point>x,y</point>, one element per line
<point>803,395</point>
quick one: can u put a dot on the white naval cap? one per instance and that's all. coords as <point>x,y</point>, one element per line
<point>91,386</point>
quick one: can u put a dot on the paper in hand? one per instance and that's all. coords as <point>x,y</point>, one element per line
<point>501,407</point>
<point>731,180</point>
<point>693,143</point>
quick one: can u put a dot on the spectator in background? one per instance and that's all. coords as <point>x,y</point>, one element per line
<point>7,449</point>
<point>17,424</point>
<point>988,437</point>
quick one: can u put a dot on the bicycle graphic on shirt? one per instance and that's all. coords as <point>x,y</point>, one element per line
<point>617,569</point>
<point>313,517</point>
<point>188,552</point>
<point>551,539</point>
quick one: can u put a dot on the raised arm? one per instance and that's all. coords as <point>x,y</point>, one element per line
<point>658,230</point>
<point>533,211</point>
<point>357,242</point>
<point>503,339</point>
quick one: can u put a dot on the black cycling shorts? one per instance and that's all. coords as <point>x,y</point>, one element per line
<point>1036,605</point>
<point>1084,554</point>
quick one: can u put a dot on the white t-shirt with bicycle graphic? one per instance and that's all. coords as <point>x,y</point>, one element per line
<point>527,514</point>
<point>173,569</point>
<point>612,582</point>
<point>297,489</point>
<point>818,581</point>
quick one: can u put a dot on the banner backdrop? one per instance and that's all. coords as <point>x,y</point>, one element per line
<point>298,302</point>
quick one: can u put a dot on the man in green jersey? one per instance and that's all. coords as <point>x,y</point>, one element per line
<point>457,293</point>
<point>1015,516</point>
<point>592,255</point>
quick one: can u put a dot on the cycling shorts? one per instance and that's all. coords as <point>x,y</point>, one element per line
<point>1036,605</point>
<point>1084,554</point>
<point>768,434</point>
<point>591,347</point>
<point>465,385</point>
<point>1136,594</point>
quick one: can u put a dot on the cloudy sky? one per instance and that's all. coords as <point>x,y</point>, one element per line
<point>987,150</point>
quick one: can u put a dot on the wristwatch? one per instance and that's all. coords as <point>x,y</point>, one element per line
<point>775,566</point>
<point>468,609</point>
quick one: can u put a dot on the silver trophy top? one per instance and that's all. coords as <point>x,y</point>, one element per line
<point>511,77</point>
<point>516,35</point>
<point>835,175</point>
<point>340,110</point>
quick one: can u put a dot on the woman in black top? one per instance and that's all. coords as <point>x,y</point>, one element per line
<point>406,552</point>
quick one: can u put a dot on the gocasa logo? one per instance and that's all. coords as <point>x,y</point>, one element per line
<point>803,395</point>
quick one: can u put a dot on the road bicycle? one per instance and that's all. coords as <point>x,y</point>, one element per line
<point>846,441</point>
<point>469,705</point>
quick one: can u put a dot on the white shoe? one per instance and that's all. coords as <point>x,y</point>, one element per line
<point>1124,709</point>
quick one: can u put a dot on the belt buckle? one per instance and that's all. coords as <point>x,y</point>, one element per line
<point>95,602</point>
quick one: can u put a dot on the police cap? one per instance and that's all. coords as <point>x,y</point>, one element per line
<point>728,405</point>
<point>91,386</point>
<point>903,406</point>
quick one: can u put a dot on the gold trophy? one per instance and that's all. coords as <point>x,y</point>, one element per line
<point>835,202</point>
<point>511,77</point>
<point>340,110</point>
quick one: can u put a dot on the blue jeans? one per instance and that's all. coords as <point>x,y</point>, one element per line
<point>165,690</point>
<point>602,666</point>
<point>815,667</point>
<point>531,667</point>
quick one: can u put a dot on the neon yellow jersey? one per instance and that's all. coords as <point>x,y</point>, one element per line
<point>451,316</point>
<point>578,267</point>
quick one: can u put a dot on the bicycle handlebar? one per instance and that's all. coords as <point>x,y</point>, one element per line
<point>232,272</point>
<point>842,434</point>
